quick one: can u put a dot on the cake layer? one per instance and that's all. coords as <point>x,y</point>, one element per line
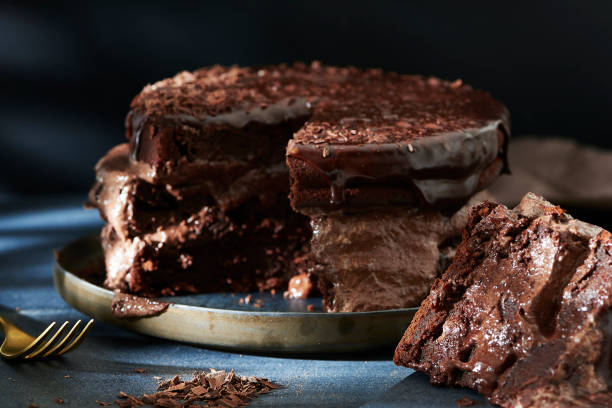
<point>440,171</point>
<point>160,240</point>
<point>207,252</point>
<point>420,141</point>
<point>523,312</point>
<point>133,205</point>
<point>382,259</point>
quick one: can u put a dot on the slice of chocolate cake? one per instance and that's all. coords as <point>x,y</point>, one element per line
<point>524,312</point>
<point>197,200</point>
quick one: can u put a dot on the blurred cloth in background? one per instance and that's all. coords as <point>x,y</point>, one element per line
<point>574,176</point>
<point>68,73</point>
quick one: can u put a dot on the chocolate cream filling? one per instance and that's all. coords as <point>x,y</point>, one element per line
<point>382,259</point>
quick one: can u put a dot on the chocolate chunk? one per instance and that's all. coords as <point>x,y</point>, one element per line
<point>465,402</point>
<point>300,286</point>
<point>127,306</point>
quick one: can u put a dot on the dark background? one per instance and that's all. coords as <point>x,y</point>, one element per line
<point>68,72</point>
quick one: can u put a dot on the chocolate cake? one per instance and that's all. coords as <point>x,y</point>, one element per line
<point>524,312</point>
<point>198,199</point>
<point>156,243</point>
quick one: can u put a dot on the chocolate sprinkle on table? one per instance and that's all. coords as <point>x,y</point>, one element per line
<point>212,389</point>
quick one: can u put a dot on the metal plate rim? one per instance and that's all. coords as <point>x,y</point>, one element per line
<point>270,330</point>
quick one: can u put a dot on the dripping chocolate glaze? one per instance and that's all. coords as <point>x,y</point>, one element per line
<point>434,137</point>
<point>440,168</point>
<point>282,111</point>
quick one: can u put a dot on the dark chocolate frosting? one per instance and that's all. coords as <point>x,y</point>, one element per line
<point>443,168</point>
<point>354,126</point>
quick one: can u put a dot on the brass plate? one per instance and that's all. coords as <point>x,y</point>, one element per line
<point>279,325</point>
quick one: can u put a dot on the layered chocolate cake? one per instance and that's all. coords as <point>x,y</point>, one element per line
<point>524,312</point>
<point>158,243</point>
<point>376,166</point>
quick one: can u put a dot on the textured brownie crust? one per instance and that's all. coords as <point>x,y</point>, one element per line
<point>523,313</point>
<point>360,137</point>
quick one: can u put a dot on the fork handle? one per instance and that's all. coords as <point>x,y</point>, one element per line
<point>5,324</point>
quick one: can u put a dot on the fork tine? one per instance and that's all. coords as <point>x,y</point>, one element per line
<point>66,340</point>
<point>77,342</point>
<point>49,343</point>
<point>36,341</point>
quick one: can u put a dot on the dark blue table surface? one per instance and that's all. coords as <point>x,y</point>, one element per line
<point>30,228</point>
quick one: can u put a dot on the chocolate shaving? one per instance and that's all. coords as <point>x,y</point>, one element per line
<point>465,402</point>
<point>212,389</point>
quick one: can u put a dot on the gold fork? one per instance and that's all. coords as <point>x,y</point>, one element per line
<point>19,344</point>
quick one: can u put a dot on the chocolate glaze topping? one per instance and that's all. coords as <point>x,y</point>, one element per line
<point>353,126</point>
<point>442,169</point>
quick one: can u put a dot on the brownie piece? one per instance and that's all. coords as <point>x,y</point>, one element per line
<point>523,313</point>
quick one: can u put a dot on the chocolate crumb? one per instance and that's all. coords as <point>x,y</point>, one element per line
<point>465,402</point>
<point>103,403</point>
<point>59,400</point>
<point>126,306</point>
<point>310,308</point>
<point>66,376</point>
<point>140,370</point>
<point>300,286</point>
<point>215,388</point>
